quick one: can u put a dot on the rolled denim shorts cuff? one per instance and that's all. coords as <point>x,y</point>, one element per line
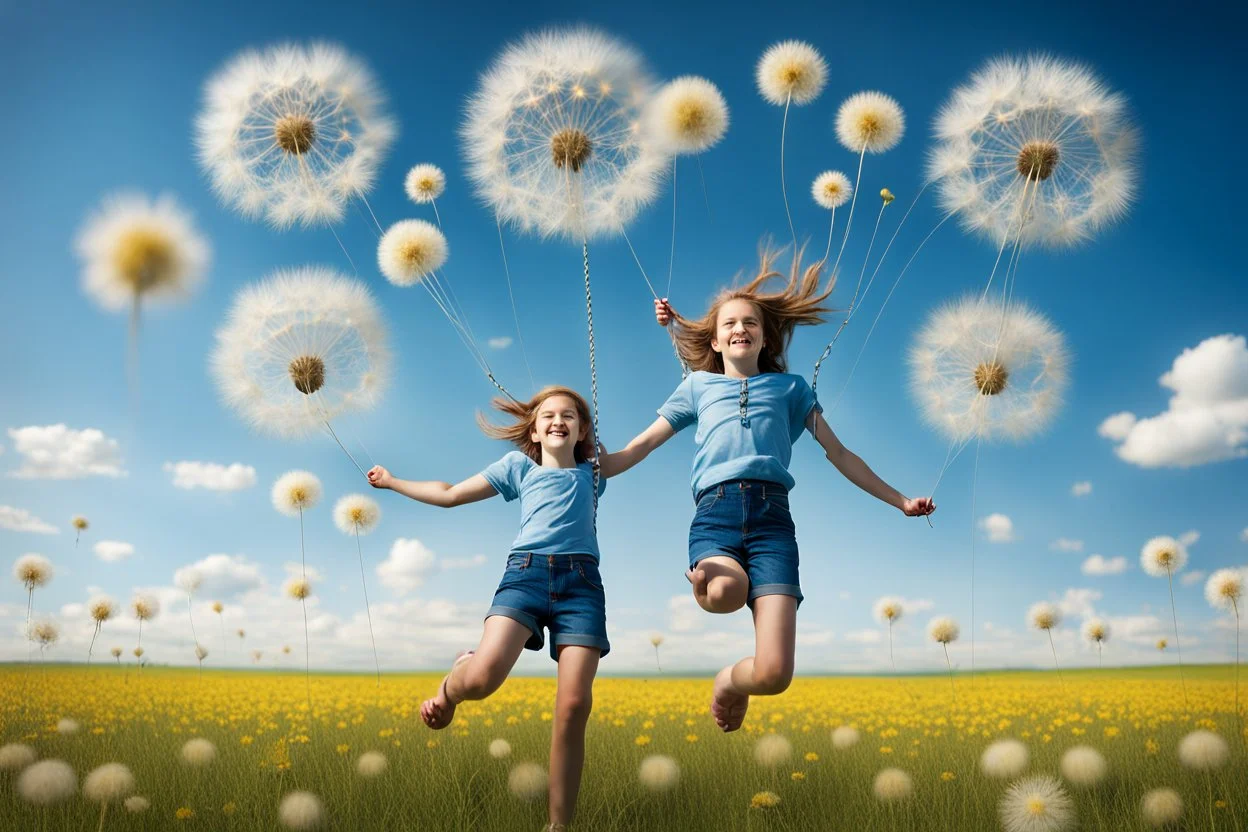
<point>714,553</point>
<point>578,640</point>
<point>517,615</point>
<point>776,589</point>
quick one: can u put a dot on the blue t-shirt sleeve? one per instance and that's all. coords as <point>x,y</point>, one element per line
<point>507,474</point>
<point>801,401</point>
<point>680,410</point>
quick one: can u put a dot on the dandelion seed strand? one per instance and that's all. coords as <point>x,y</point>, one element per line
<point>364,199</point>
<point>340,445</point>
<point>784,191</point>
<point>849,223</point>
<point>1060,679</point>
<point>367,608</point>
<point>515,315</point>
<point>436,215</point>
<point>952,691</point>
<point>706,197</point>
<point>303,602</point>
<point>827,252</point>
<point>974,489</point>
<point>671,258</point>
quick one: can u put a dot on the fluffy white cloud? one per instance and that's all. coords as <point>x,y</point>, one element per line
<point>1207,417</point>
<point>684,614</point>
<point>1079,602</point>
<point>465,563</point>
<point>57,452</point>
<point>864,637</point>
<point>21,520</point>
<point>1189,538</point>
<point>112,551</point>
<point>1098,565</point>
<point>222,576</point>
<point>998,528</point>
<point>211,475</point>
<point>1065,544</point>
<point>500,343</point>
<point>1193,577</point>
<point>1081,489</point>
<point>410,562</point>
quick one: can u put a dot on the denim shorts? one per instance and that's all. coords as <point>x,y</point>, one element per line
<point>562,593</point>
<point>749,521</point>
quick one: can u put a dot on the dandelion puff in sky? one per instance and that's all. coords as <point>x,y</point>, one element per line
<point>137,804</point>
<point>45,633</point>
<point>47,782</point>
<point>1224,589</point>
<point>687,115</point>
<point>844,737</point>
<point>943,630</point>
<point>1203,751</point>
<point>979,371</point>
<point>554,135</point>
<point>299,588</point>
<point>1162,556</point>
<point>79,524</point>
<point>32,571</point>
<point>527,781</point>
<point>1161,808</point>
<point>300,348</point>
<point>1037,804</point>
<point>1036,150</point>
<point>888,610</point>
<point>295,492</point>
<point>870,122</point>
<point>772,750</point>
<point>1084,766</point>
<point>831,189</point>
<point>1004,759</point>
<point>371,764</point>
<point>791,71</point>
<point>292,132</point>
<point>500,749</point>
<point>108,783</point>
<point>892,784</point>
<point>1096,630</point>
<point>199,752</point>
<point>424,183</point>
<point>658,773</point>
<point>16,756</point>
<point>410,251</point>
<point>356,514</point>
<point>1044,616</point>
<point>301,810</point>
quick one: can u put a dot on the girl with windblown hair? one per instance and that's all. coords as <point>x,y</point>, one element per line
<point>551,580</point>
<point>749,412</point>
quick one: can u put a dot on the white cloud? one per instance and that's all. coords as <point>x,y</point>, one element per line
<point>1189,538</point>
<point>1207,417</point>
<point>1079,602</point>
<point>1065,544</point>
<point>410,562</point>
<point>864,637</point>
<point>21,520</point>
<point>1098,565</point>
<point>815,638</point>
<point>845,596</point>
<point>1081,489</point>
<point>500,343</point>
<point>684,614</point>
<point>222,576</point>
<point>998,528</point>
<point>465,563</point>
<point>57,452</point>
<point>211,475</point>
<point>111,551</point>
<point>1193,577</point>
<point>299,570</point>
<point>1244,535</point>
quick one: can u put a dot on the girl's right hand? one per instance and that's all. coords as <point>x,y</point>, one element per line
<point>662,312</point>
<point>379,477</point>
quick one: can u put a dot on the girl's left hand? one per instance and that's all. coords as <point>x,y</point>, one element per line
<point>920,507</point>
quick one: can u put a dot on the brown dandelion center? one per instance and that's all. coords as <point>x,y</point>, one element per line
<point>991,377</point>
<point>308,374</point>
<point>869,126</point>
<point>793,76</point>
<point>144,258</point>
<point>425,185</point>
<point>294,134</point>
<point>691,117</point>
<point>1037,160</point>
<point>571,147</point>
<point>414,255</point>
<point>1035,806</point>
<point>1165,558</point>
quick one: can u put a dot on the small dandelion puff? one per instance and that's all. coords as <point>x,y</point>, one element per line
<point>47,782</point>
<point>138,652</point>
<point>765,800</point>
<point>1038,804</point>
<point>16,756</point>
<point>1163,556</point>
<point>1161,807</point>
<point>301,810</point>
<point>870,122</point>
<point>371,764</point>
<point>527,781</point>
<point>500,749</point>
<point>137,804</point>
<point>1004,759</point>
<point>116,651</point>
<point>831,189</point>
<point>424,183</point>
<point>257,655</point>
<point>845,737</point>
<point>356,514</point>
<point>1162,644</point>
<point>1096,631</point>
<point>296,492</point>
<point>688,115</point>
<point>1224,589</point>
<point>199,752</point>
<point>1084,766</point>
<point>108,783</point>
<point>791,71</point>
<point>144,607</point>
<point>1203,751</point>
<point>410,251</point>
<point>218,607</point>
<point>298,588</point>
<point>201,653</point>
<point>656,639</point>
<point>1044,616</point>
<point>658,773</point>
<point>101,608</point>
<point>285,649</point>
<point>772,750</point>
<point>66,727</point>
<point>888,610</point>
<point>32,571</point>
<point>45,634</point>
<point>892,784</point>
<point>943,630</point>
<point>79,524</point>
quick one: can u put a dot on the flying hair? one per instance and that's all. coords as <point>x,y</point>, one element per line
<point>524,414</point>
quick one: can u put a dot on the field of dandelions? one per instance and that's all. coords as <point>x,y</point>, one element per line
<point>228,749</point>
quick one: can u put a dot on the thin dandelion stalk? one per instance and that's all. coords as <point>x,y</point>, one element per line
<point>949,665</point>
<point>1177,646</point>
<point>303,602</point>
<point>1060,679</point>
<point>367,608</point>
<point>784,191</point>
<point>827,252</point>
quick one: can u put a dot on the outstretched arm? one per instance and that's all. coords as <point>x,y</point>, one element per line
<point>442,494</point>
<point>652,437</point>
<point>860,474</point>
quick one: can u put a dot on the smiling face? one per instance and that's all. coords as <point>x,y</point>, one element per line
<point>558,426</point>
<point>738,332</point>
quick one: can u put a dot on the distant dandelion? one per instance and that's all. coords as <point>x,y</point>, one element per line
<point>219,609</point>
<point>944,631</point>
<point>257,655</point>
<point>116,651</point>
<point>285,649</point>
<point>101,608</point>
<point>1162,644</point>
<point>80,525</point>
<point>44,633</point>
<point>295,492</point>
<point>831,189</point>
<point>137,804</point>
<point>772,750</point>
<point>410,251</point>
<point>1045,616</point>
<point>299,588</point>
<point>67,727</point>
<point>144,608</point>
<point>1096,631</point>
<point>1037,804</point>
<point>371,764</point>
<point>32,571</point>
<point>844,737</point>
<point>658,773</point>
<point>1223,591</point>
<point>656,639</point>
<point>889,610</point>
<point>1084,766</point>
<point>199,752</point>
<point>1203,751</point>
<point>892,784</point>
<point>765,800</point>
<point>1164,556</point>
<point>201,653</point>
<point>301,810</point>
<point>1004,759</point>
<point>791,71</point>
<point>1161,808</point>
<point>500,749</point>
<point>47,782</point>
<point>527,781</point>
<point>688,115</point>
<point>424,183</point>
<point>16,756</point>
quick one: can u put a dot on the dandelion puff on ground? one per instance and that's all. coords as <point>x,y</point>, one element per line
<point>1037,804</point>
<point>67,727</point>
<point>1084,766</point>
<point>108,783</point>
<point>1203,751</point>
<point>527,781</point>
<point>16,756</point>
<point>791,71</point>
<point>1004,759</point>
<point>301,810</point>
<point>831,189</point>
<point>500,749</point>
<point>371,764</point>
<point>659,773</point>
<point>870,122</point>
<point>424,183</point>
<point>765,800</point>
<point>199,752</point>
<point>410,251</point>
<point>47,782</point>
<point>687,115</point>
<point>892,784</point>
<point>844,737</point>
<point>772,750</point>
<point>137,804</point>
<point>1161,808</point>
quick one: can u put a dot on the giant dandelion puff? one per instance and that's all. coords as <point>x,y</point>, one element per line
<point>101,608</point>
<point>1164,556</point>
<point>300,349</point>
<point>293,493</point>
<point>355,515</point>
<point>293,133</point>
<point>1223,591</point>
<point>32,571</point>
<point>1037,804</point>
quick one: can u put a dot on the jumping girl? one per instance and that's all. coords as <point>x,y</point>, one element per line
<point>749,412</point>
<point>551,580</point>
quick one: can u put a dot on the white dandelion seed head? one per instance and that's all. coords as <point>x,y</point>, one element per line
<point>371,764</point>
<point>687,115</point>
<point>943,630</point>
<point>144,607</point>
<point>298,588</point>
<point>108,783</point>
<point>892,784</point>
<point>554,135</point>
<point>256,655</point>
<point>1004,759</point>
<point>791,71</point>
<point>1044,616</point>
<point>772,750</point>
<point>296,491</point>
<point>301,348</point>
<point>500,749</point>
<point>116,651</point>
<point>136,804</point>
<point>32,571</point>
<point>138,652</point>
<point>1162,556</point>
<point>410,251</point>
<point>656,639</point>
<point>301,810</point>
<point>45,632</point>
<point>101,608</point>
<point>189,579</point>
<point>47,782</point>
<point>133,247</point>
<point>1037,804</point>
<point>424,183</point>
<point>199,752</point>
<point>1084,766</point>
<point>1096,630</point>
<point>1224,589</point>
<point>67,726</point>
<point>1203,751</point>
<point>527,781</point>
<point>16,756</point>
<point>980,371</point>
<point>844,737</point>
<point>889,609</point>
<point>292,133</point>
<point>201,652</point>
<point>217,607</point>
<point>1161,808</point>
<point>356,514</point>
<point>79,523</point>
<point>658,773</point>
<point>831,189</point>
<point>870,121</point>
<point>1036,143</point>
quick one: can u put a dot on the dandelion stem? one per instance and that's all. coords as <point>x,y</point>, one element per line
<point>436,215</point>
<point>1209,789</point>
<point>303,602</point>
<point>512,296</point>
<point>827,251</point>
<point>103,811</point>
<point>974,491</point>
<point>367,609</point>
<point>849,223</point>
<point>1177,646</point>
<point>92,645</point>
<point>656,658</point>
<point>1060,679</point>
<point>671,257</point>
<point>949,665</point>
<point>784,191</point>
<point>706,197</point>
<point>344,450</point>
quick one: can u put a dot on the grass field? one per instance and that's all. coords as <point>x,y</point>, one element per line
<point>269,743</point>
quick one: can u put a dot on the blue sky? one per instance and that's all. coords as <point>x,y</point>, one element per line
<point>100,100</point>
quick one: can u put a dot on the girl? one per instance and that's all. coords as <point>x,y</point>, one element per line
<point>551,579</point>
<point>749,412</point>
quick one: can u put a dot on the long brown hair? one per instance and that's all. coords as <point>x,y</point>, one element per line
<point>520,431</point>
<point>798,304</point>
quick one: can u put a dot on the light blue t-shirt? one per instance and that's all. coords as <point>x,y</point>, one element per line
<point>556,504</point>
<point>746,427</point>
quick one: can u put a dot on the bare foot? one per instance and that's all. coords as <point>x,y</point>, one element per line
<point>698,578</point>
<point>727,706</point>
<point>439,711</point>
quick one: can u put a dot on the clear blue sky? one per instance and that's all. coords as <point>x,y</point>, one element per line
<point>100,98</point>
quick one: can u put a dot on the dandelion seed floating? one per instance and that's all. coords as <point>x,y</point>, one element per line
<point>80,525</point>
<point>32,571</point>
<point>1223,591</point>
<point>1097,631</point>
<point>101,609</point>
<point>356,514</point>
<point>292,133</point>
<point>1164,556</point>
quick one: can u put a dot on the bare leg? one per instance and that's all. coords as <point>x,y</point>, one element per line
<point>768,671</point>
<point>478,675</point>
<point>719,583</point>
<point>577,666</point>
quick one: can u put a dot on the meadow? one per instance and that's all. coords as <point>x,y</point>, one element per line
<point>269,743</point>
